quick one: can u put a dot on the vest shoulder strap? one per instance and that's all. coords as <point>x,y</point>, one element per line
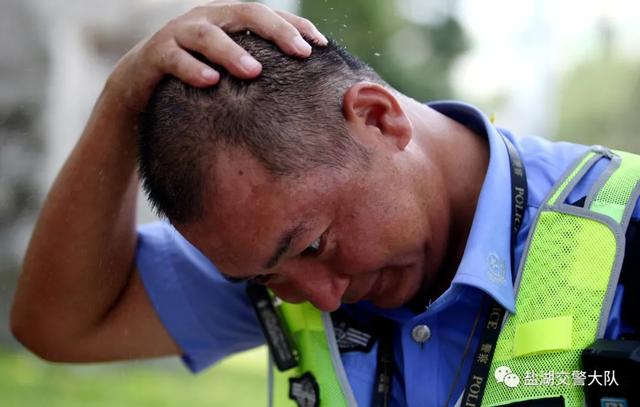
<point>319,378</point>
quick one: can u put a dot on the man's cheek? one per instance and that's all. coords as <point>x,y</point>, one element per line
<point>287,293</point>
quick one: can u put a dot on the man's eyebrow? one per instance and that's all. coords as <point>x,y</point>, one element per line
<point>284,243</point>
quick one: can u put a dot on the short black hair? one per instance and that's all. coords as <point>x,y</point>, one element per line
<point>289,118</point>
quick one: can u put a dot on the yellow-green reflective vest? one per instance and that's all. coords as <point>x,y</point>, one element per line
<point>565,286</point>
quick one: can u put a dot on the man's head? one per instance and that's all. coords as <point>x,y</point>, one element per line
<point>305,176</point>
<point>290,119</point>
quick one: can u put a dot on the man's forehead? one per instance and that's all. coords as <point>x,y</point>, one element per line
<point>242,183</point>
<point>248,210</point>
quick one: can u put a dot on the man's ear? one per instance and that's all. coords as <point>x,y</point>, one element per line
<point>368,105</point>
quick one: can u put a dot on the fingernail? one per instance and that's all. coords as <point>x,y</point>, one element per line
<point>249,63</point>
<point>323,39</point>
<point>302,46</point>
<point>209,73</point>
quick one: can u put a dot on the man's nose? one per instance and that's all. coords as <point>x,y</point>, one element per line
<point>320,285</point>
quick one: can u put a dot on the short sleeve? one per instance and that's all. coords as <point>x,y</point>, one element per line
<point>208,316</point>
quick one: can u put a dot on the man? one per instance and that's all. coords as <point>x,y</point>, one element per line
<point>315,179</point>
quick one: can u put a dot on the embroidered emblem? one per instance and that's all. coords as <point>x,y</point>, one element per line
<point>350,336</point>
<point>497,268</point>
<point>304,390</point>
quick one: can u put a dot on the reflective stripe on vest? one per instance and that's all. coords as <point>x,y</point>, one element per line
<point>312,332</point>
<point>565,286</point>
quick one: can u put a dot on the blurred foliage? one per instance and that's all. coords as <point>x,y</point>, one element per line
<point>26,381</point>
<point>23,67</point>
<point>414,58</point>
<point>598,103</point>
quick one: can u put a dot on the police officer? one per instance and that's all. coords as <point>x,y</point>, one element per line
<point>413,233</point>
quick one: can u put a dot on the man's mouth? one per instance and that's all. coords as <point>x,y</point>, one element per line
<point>372,292</point>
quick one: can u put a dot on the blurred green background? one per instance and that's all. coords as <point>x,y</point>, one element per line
<point>562,70</point>
<point>236,381</point>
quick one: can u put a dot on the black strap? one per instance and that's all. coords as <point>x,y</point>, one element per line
<point>384,366</point>
<point>280,346</point>
<point>630,279</point>
<point>474,389</point>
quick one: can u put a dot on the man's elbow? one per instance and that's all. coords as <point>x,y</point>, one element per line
<point>37,337</point>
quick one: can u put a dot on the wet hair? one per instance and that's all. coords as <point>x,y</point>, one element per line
<point>289,118</point>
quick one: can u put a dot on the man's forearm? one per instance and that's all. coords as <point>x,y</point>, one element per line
<point>81,253</point>
<point>79,297</point>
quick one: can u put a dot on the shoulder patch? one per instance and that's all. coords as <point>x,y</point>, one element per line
<point>350,335</point>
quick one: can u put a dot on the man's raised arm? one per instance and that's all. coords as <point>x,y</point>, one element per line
<point>79,296</point>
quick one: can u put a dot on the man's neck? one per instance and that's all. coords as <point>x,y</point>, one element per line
<point>463,158</point>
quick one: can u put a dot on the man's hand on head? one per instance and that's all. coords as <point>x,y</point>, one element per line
<point>204,30</point>
<point>80,297</point>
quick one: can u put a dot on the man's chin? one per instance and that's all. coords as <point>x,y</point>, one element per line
<point>398,296</point>
<point>390,302</point>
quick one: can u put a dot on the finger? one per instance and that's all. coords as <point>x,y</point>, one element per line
<point>304,26</point>
<point>179,63</point>
<point>264,22</point>
<point>210,41</point>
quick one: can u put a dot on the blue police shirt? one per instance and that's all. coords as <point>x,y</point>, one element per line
<point>209,317</point>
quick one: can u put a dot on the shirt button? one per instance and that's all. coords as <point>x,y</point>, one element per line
<point>421,333</point>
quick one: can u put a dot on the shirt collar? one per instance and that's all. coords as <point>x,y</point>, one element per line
<point>486,262</point>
